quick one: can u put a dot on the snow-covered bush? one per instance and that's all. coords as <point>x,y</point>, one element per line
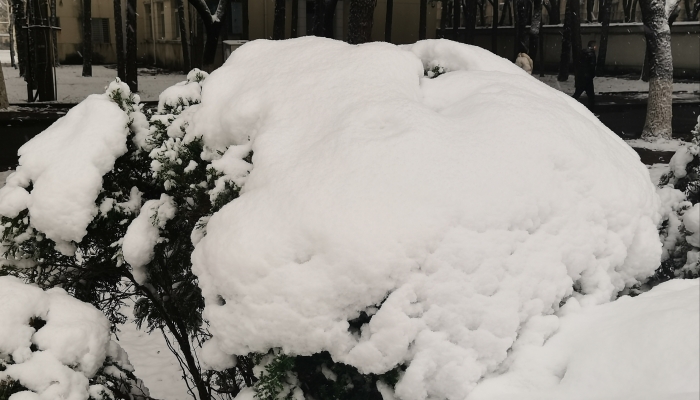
<point>333,222</point>
<point>53,346</point>
<point>103,204</point>
<point>679,190</point>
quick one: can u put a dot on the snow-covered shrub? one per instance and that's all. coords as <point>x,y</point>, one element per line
<point>108,203</point>
<point>53,346</point>
<point>679,190</point>
<point>400,223</point>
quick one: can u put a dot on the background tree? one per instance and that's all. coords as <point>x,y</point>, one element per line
<point>456,18</point>
<point>280,20</point>
<point>553,8</point>
<point>360,21</point>
<point>521,38</point>
<point>470,8</point>
<point>119,39</point>
<point>535,26</point>
<point>603,15</point>
<point>571,39</point>
<point>590,5</point>
<point>182,26</point>
<point>494,26</point>
<point>658,37</point>
<point>319,26</point>
<point>672,11</point>
<point>295,19</point>
<point>131,71</point>
<point>691,13</point>
<point>389,20</point>
<point>87,37</point>
<point>329,18</point>
<point>19,21</point>
<point>4,103</point>
<point>212,26</point>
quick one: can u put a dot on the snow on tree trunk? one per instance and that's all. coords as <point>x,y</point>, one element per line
<point>360,21</point>
<point>87,37</point>
<point>658,36</point>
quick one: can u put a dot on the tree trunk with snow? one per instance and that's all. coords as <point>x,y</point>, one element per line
<point>131,71</point>
<point>658,37</point>
<point>280,20</point>
<point>119,40</point>
<point>672,10</point>
<point>87,37</point>
<point>360,21</point>
<point>4,103</point>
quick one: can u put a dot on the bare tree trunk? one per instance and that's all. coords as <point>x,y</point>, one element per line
<point>604,15</point>
<point>422,19</point>
<point>658,36</point>
<point>360,21</point>
<point>54,39</point>
<point>119,36</point>
<point>456,18</point>
<point>482,12</point>
<point>506,12</point>
<point>553,7</point>
<point>212,25</point>
<point>535,28</point>
<point>388,22</point>
<point>12,40</point>
<point>280,20</point>
<point>633,13</point>
<point>4,103</point>
<point>295,19</point>
<point>319,18</point>
<point>443,18</point>
<point>646,65</point>
<point>626,9</point>
<point>521,39</point>
<point>186,61</point>
<point>87,37</point>
<point>696,10</point>
<point>590,4</point>
<point>494,27</point>
<point>469,21</point>
<point>565,45</point>
<point>131,71</point>
<point>329,18</point>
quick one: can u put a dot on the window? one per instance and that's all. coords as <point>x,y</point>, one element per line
<point>100,30</point>
<point>149,19</point>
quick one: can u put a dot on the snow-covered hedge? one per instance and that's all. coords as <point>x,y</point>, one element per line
<point>53,346</point>
<point>679,190</point>
<point>338,221</point>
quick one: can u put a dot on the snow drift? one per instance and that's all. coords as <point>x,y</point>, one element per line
<point>453,210</point>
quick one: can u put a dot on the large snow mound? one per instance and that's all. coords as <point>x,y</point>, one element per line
<point>644,347</point>
<point>60,170</point>
<point>460,207</point>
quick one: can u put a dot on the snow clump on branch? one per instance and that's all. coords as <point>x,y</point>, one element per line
<point>447,212</point>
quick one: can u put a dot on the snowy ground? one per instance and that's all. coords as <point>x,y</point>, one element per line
<point>605,84</point>
<point>74,88</point>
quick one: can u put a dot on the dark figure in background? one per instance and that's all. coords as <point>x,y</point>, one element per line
<point>585,72</point>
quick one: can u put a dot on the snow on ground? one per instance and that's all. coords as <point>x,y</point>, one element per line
<point>657,144</point>
<point>606,84</point>
<point>152,360</point>
<point>643,348</point>
<point>74,88</point>
<point>376,188</point>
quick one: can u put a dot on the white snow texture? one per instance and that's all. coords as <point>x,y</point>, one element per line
<point>463,207</point>
<point>71,347</point>
<point>65,164</point>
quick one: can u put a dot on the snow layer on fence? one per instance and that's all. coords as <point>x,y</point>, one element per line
<point>453,209</point>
